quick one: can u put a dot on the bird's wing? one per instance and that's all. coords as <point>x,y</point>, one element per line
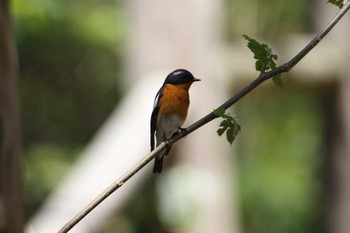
<point>154,115</point>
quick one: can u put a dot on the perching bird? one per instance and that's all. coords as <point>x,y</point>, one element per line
<point>170,110</point>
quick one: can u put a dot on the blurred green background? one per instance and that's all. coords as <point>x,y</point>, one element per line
<point>71,56</point>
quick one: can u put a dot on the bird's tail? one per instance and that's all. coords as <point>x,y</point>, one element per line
<point>158,161</point>
<point>158,164</point>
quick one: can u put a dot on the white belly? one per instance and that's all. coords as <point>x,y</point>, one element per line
<point>167,126</point>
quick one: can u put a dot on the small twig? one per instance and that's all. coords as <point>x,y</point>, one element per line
<point>211,116</point>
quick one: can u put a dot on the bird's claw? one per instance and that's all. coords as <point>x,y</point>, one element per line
<point>182,130</point>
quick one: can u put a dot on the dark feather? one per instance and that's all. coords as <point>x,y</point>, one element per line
<point>155,115</point>
<point>158,164</point>
<point>153,126</point>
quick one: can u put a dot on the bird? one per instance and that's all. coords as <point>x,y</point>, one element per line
<point>170,111</point>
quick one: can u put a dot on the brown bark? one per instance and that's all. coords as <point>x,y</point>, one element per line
<point>10,152</point>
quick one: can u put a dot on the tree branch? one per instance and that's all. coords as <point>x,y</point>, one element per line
<point>211,116</point>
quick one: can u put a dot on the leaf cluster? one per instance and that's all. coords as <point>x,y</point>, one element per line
<point>229,125</point>
<point>263,54</point>
<point>265,59</point>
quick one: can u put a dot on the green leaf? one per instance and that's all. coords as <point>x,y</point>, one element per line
<point>278,81</point>
<point>220,131</point>
<point>339,3</point>
<point>265,59</point>
<point>229,125</point>
<point>224,125</point>
<point>230,135</point>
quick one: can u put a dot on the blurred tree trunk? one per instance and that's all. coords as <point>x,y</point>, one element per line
<point>337,141</point>
<point>341,200</point>
<point>338,162</point>
<point>10,152</point>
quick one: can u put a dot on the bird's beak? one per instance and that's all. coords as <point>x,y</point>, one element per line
<point>196,79</point>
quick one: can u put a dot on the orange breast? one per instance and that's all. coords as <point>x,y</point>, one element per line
<point>175,100</point>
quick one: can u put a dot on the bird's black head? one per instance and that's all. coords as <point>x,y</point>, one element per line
<point>180,76</point>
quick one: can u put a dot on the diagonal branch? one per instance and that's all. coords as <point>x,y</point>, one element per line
<point>211,116</point>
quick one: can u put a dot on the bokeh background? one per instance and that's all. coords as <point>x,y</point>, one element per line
<point>287,170</point>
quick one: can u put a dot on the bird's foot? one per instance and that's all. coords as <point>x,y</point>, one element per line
<point>182,130</point>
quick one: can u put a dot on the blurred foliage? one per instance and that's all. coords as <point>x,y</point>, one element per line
<point>45,165</point>
<point>70,57</point>
<point>69,68</point>
<point>266,18</point>
<point>279,162</point>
